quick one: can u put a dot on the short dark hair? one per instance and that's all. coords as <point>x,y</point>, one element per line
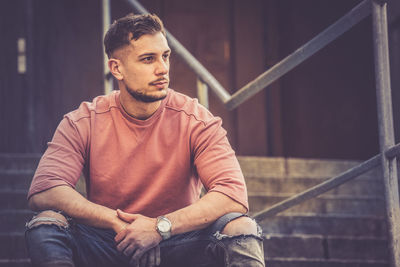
<point>131,27</point>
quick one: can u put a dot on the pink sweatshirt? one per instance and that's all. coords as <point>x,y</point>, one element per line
<point>152,166</point>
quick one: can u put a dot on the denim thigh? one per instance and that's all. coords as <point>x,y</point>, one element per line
<point>75,245</point>
<point>90,246</point>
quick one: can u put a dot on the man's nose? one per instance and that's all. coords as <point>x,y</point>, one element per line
<point>162,67</point>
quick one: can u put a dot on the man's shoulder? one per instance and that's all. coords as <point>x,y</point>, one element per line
<point>100,104</point>
<point>179,102</point>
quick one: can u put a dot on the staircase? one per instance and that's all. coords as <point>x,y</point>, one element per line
<point>344,227</point>
<point>16,172</point>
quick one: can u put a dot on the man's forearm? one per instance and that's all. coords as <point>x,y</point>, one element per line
<point>68,200</point>
<point>202,213</point>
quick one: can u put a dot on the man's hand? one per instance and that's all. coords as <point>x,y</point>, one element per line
<point>139,237</point>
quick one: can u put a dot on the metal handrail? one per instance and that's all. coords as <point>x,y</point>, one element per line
<point>393,151</point>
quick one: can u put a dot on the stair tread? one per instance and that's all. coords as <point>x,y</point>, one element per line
<point>14,191</point>
<point>15,260</point>
<point>327,260</point>
<point>320,236</point>
<point>330,215</point>
<point>322,196</point>
<point>311,178</point>
<point>16,171</point>
<point>297,167</point>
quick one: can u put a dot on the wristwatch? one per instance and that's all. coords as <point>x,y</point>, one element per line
<point>163,227</point>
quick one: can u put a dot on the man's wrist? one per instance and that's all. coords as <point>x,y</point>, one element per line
<point>118,225</point>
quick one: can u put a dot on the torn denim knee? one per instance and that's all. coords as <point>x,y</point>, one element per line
<point>219,236</point>
<point>38,220</point>
<point>242,249</point>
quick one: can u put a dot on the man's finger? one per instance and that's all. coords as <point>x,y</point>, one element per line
<point>136,257</point>
<point>144,260</point>
<point>121,246</point>
<point>150,257</point>
<point>120,236</point>
<point>129,250</point>
<point>128,217</point>
<point>157,255</point>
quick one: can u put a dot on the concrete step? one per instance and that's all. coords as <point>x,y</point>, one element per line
<point>19,161</point>
<point>275,167</point>
<point>346,204</point>
<point>356,187</point>
<point>13,199</point>
<point>12,246</point>
<point>15,263</point>
<point>327,225</point>
<point>319,246</point>
<point>16,179</point>
<point>303,262</point>
<point>14,220</point>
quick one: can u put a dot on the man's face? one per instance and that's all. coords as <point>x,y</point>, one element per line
<point>145,67</point>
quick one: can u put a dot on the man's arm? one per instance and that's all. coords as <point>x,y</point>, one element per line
<point>202,213</point>
<point>68,200</point>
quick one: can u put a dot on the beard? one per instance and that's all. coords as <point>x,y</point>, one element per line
<point>143,97</point>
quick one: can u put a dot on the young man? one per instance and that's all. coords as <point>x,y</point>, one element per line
<point>145,151</point>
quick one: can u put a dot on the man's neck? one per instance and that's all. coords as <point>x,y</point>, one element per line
<point>137,109</point>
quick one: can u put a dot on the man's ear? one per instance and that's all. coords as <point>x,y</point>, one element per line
<point>115,68</point>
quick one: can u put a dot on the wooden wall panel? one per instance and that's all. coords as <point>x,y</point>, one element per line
<point>394,49</point>
<point>67,58</point>
<point>249,61</point>
<point>395,70</point>
<point>272,49</point>
<point>13,89</point>
<point>203,27</point>
<point>329,106</point>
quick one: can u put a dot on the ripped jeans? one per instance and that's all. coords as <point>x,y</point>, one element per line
<point>74,244</point>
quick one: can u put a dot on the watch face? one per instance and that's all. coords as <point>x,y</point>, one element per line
<point>163,226</point>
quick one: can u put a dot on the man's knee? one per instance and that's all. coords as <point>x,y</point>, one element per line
<point>48,217</point>
<point>241,226</point>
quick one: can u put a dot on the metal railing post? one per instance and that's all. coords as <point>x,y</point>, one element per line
<point>202,93</point>
<point>108,80</point>
<point>386,131</point>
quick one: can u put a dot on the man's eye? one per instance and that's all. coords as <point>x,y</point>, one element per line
<point>147,59</point>
<point>166,56</point>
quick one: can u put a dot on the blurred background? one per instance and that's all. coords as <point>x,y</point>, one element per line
<point>52,59</point>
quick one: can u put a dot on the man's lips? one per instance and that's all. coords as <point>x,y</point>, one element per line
<point>159,82</point>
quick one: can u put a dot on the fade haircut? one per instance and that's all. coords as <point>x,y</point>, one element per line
<point>131,27</point>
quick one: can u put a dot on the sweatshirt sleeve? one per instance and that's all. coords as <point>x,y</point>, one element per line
<point>63,160</point>
<point>216,163</point>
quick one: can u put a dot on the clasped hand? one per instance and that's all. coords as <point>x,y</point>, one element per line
<point>139,240</point>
